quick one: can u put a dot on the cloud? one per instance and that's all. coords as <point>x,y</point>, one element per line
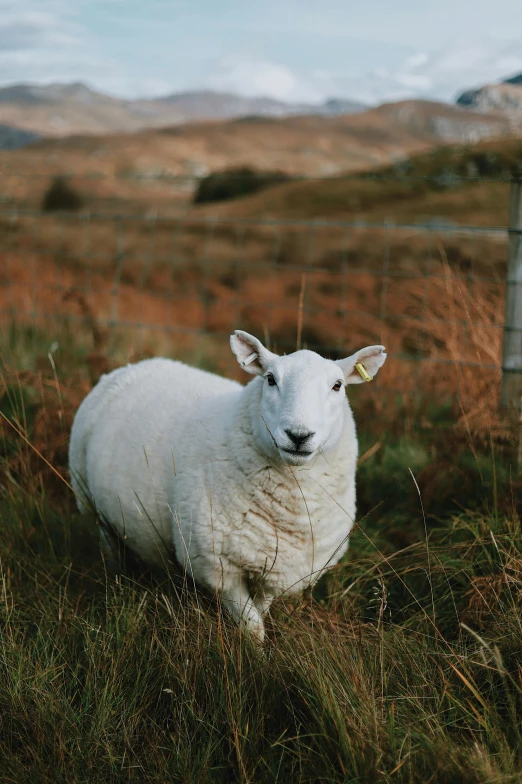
<point>33,30</point>
<point>48,46</point>
<point>438,75</point>
<point>34,44</point>
<point>62,43</point>
<point>255,78</point>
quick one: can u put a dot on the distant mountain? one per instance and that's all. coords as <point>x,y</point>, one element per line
<point>309,145</point>
<point>504,98</point>
<point>34,94</point>
<point>336,106</point>
<point>206,104</point>
<point>514,79</point>
<point>432,121</point>
<point>15,138</point>
<point>64,109</point>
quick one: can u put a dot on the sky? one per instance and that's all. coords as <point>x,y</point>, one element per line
<point>294,50</point>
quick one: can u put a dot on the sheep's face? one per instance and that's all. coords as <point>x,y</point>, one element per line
<point>303,405</point>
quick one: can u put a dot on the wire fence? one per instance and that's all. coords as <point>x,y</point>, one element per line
<point>134,284</point>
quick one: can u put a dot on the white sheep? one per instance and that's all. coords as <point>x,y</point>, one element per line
<point>254,487</point>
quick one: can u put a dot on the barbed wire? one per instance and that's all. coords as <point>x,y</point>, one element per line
<point>444,178</point>
<point>437,225</point>
<point>35,284</point>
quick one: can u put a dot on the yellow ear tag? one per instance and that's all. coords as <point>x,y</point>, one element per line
<point>363,372</point>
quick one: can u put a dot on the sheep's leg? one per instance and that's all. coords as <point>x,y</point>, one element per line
<point>262,600</point>
<point>240,605</point>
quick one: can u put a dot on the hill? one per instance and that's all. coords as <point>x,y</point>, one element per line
<point>63,109</point>
<point>466,184</point>
<point>156,169</point>
<point>15,138</point>
<point>504,98</point>
<point>517,79</point>
<point>181,268</point>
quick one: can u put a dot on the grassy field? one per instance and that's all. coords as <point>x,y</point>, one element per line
<point>404,665</point>
<point>384,258</point>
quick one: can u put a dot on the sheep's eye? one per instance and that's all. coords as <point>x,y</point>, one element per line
<point>337,386</point>
<point>271,380</point>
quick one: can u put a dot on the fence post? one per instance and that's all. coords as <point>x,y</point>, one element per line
<point>511,391</point>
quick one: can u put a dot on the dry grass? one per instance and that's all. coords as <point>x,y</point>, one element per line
<point>403,666</point>
<point>434,299</point>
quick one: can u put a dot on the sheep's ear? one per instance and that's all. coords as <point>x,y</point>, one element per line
<point>371,359</point>
<point>250,352</point>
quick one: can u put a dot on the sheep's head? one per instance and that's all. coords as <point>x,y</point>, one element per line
<point>303,405</point>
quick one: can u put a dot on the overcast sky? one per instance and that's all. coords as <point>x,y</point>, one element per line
<point>291,49</point>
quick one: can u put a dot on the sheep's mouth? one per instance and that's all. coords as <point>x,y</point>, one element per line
<point>297,452</point>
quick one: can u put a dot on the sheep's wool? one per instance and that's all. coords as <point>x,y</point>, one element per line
<point>178,458</point>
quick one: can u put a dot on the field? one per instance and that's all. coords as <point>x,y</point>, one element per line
<point>396,257</point>
<point>405,663</point>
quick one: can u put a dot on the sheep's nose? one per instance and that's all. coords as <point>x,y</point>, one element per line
<point>298,439</point>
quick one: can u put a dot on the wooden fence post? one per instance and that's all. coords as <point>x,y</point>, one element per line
<point>511,391</point>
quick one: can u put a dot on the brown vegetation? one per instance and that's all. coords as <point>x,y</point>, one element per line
<point>404,664</point>
<point>156,169</point>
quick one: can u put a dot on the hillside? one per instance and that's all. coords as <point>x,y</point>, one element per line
<point>452,184</point>
<point>156,169</point>
<point>517,79</point>
<point>63,109</point>
<point>15,138</point>
<point>182,268</point>
<point>502,98</point>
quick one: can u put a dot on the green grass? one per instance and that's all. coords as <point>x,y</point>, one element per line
<point>403,666</point>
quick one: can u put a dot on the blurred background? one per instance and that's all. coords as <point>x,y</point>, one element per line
<point>319,177</point>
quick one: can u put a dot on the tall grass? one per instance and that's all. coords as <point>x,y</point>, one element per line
<point>404,665</point>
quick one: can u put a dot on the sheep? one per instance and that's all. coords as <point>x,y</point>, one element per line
<point>252,486</point>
